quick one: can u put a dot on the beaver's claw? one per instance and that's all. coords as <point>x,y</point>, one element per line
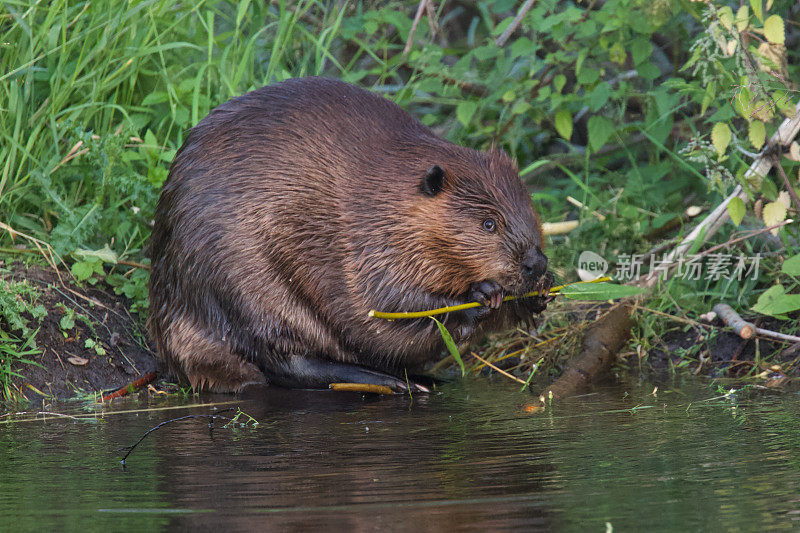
<point>537,304</point>
<point>487,292</point>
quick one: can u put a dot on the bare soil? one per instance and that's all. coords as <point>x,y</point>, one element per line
<point>66,368</point>
<point>727,357</point>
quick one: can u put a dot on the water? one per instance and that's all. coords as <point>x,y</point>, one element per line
<point>466,458</point>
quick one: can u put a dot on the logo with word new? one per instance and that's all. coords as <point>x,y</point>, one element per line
<point>591,266</point>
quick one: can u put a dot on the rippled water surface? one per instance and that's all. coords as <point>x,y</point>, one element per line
<point>467,457</point>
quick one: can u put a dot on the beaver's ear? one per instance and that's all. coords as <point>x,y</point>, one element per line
<point>432,183</point>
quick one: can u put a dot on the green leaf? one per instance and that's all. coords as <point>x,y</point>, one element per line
<point>792,266</point>
<point>588,75</point>
<point>500,28</point>
<point>756,6</point>
<point>82,270</point>
<point>600,129</point>
<point>523,47</point>
<point>558,82</point>
<point>465,110</point>
<point>742,18</point>
<point>720,137</point>
<point>726,17</point>
<point>599,291</point>
<point>775,302</point>
<point>757,133</point>
<point>241,12</point>
<point>154,98</point>
<point>520,107</point>
<point>563,121</point>
<point>617,54</point>
<point>709,96</point>
<point>773,213</point>
<point>599,96</point>
<point>736,210</point>
<point>451,345</point>
<point>773,30</point>
<point>641,49</point>
<point>150,140</point>
<point>533,166</point>
<point>67,322</point>
<point>96,346</point>
<point>104,254</point>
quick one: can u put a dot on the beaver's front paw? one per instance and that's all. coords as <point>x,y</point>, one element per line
<point>537,304</point>
<point>487,292</point>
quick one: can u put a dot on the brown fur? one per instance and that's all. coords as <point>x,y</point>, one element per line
<point>293,210</point>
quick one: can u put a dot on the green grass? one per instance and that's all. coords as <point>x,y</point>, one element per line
<point>20,314</point>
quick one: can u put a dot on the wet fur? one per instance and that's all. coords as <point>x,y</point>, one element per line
<point>293,210</point>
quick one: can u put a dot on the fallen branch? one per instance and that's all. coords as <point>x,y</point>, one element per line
<point>746,329</point>
<point>211,418</point>
<point>133,264</point>
<point>129,388</point>
<point>602,341</point>
<point>732,319</point>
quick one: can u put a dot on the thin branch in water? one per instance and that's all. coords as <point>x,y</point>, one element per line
<point>210,418</point>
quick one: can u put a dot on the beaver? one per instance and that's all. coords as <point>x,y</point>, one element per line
<point>291,211</point>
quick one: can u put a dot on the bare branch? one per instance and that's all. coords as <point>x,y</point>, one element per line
<point>500,41</point>
<point>410,40</point>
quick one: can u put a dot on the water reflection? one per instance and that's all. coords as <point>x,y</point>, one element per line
<point>464,458</point>
<point>328,459</point>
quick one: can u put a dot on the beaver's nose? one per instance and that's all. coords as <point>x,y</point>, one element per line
<point>534,263</point>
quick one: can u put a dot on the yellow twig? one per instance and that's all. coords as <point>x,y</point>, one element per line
<point>519,352</point>
<point>450,309</point>
<point>490,365</point>
<point>361,387</point>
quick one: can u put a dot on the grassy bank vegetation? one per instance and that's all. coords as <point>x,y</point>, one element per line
<point>636,110</point>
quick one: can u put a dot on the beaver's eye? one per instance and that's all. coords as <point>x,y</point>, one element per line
<point>489,225</point>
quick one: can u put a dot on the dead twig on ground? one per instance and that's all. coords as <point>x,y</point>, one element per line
<point>131,387</point>
<point>747,330</point>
